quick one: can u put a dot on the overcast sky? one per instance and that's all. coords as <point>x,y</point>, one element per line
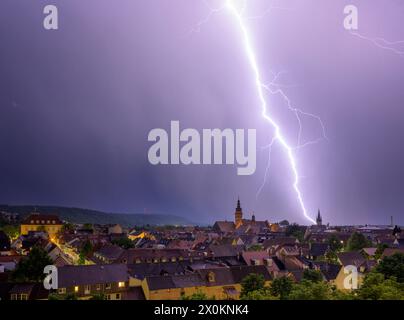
<point>77,104</point>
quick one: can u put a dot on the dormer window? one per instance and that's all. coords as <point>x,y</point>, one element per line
<point>32,221</point>
<point>211,277</point>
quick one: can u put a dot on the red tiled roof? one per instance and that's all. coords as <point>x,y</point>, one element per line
<point>42,219</point>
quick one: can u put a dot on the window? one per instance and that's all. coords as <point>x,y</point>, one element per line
<point>76,289</point>
<point>62,290</point>
<point>53,221</point>
<point>32,221</point>
<point>47,222</point>
<point>108,286</point>
<point>118,296</point>
<point>121,284</point>
<point>98,287</point>
<point>22,296</point>
<point>87,289</point>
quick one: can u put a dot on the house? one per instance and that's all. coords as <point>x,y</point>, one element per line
<point>108,254</point>
<point>224,226</point>
<point>388,252</point>
<point>51,224</point>
<point>318,250</point>
<point>115,229</point>
<point>140,255</point>
<point>85,281</point>
<point>9,262</point>
<point>355,259</point>
<point>221,283</point>
<point>28,291</point>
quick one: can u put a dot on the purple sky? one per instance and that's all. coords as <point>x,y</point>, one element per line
<point>77,104</point>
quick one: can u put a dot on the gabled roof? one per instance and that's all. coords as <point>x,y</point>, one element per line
<point>354,258</point>
<point>280,241</point>
<point>224,226</point>
<point>110,252</point>
<point>318,249</point>
<point>42,219</point>
<point>391,251</point>
<point>225,250</point>
<point>222,276</point>
<point>69,276</point>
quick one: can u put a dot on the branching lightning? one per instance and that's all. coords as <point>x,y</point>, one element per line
<point>384,44</point>
<point>272,88</point>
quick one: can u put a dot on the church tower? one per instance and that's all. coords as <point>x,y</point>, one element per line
<point>238,215</point>
<point>319,220</point>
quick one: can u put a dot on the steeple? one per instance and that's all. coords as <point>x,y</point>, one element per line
<point>319,220</point>
<point>238,205</point>
<point>238,215</point>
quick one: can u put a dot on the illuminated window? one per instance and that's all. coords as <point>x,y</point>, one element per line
<point>108,286</point>
<point>47,222</point>
<point>62,290</point>
<point>76,289</point>
<point>53,221</point>
<point>98,287</point>
<point>32,221</point>
<point>43,221</point>
<point>121,284</point>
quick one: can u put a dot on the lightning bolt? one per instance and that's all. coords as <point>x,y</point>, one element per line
<point>272,88</point>
<point>382,43</point>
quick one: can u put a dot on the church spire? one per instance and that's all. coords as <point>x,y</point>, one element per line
<point>238,215</point>
<point>238,205</point>
<point>319,220</point>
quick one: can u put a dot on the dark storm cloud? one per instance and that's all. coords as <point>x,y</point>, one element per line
<point>77,104</point>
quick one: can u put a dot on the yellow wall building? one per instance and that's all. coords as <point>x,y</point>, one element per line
<point>39,222</point>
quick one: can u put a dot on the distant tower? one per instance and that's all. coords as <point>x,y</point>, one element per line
<point>238,215</point>
<point>319,220</point>
<point>253,217</point>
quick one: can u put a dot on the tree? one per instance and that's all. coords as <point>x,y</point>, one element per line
<point>263,294</point>
<point>68,227</point>
<point>30,269</point>
<point>376,287</point>
<point>253,282</point>
<point>284,223</point>
<point>334,242</point>
<point>308,290</point>
<point>295,230</point>
<point>312,275</point>
<point>380,249</point>
<point>281,287</point>
<point>86,248</point>
<point>357,242</point>
<point>99,296</point>
<point>331,257</point>
<point>11,231</point>
<point>199,295</point>
<point>392,266</point>
<point>124,243</point>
